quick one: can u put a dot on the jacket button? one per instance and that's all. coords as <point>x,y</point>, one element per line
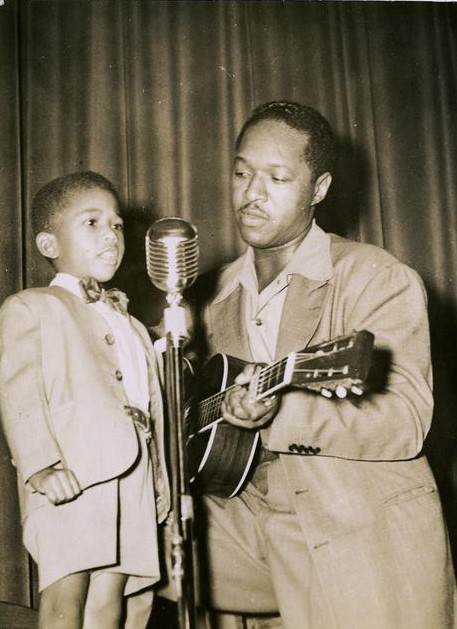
<point>109,339</point>
<point>118,374</point>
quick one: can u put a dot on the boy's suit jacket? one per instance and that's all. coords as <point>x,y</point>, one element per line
<point>368,498</point>
<point>61,391</point>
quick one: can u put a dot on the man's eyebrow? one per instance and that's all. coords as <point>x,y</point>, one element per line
<point>273,165</point>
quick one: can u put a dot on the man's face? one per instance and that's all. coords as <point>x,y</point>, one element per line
<point>272,185</point>
<point>88,236</point>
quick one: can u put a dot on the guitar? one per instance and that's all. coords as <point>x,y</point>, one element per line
<point>221,456</point>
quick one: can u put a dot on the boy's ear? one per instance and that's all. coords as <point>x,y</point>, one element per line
<point>47,245</point>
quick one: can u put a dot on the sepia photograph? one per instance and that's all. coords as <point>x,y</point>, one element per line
<point>228,314</point>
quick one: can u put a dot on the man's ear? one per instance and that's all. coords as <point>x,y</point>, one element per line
<point>47,245</point>
<point>321,186</point>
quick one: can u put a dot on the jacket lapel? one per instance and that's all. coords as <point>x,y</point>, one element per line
<point>302,312</point>
<point>229,333</point>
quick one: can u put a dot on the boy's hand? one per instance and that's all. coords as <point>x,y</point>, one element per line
<point>58,485</point>
<point>239,409</point>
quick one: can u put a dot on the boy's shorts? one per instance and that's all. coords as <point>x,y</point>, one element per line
<point>109,527</point>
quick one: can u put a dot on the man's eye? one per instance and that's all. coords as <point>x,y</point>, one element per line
<point>91,222</point>
<point>241,173</point>
<point>279,179</point>
<point>118,226</point>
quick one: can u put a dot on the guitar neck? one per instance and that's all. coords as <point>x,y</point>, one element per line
<point>342,362</point>
<point>266,381</point>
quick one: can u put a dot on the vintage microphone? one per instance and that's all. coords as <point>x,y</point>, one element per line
<point>172,265</point>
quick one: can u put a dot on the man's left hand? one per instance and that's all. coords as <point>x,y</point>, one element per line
<point>240,409</point>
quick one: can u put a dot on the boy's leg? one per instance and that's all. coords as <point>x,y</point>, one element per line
<point>139,608</point>
<point>105,600</point>
<point>62,603</point>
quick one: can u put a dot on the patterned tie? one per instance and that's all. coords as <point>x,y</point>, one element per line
<point>93,292</point>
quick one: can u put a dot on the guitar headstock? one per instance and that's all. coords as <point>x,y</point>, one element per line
<point>335,367</point>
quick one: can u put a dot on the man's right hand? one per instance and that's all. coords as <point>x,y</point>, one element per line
<point>59,485</point>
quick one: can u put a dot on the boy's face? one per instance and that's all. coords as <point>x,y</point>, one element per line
<point>87,237</point>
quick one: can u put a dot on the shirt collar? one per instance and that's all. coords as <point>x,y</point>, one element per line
<point>312,259</point>
<point>70,282</point>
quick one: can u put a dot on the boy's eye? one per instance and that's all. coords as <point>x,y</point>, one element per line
<point>118,226</point>
<point>91,221</point>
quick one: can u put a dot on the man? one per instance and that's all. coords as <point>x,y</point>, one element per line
<point>340,526</point>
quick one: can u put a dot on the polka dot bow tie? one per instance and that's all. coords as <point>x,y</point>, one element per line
<point>92,292</point>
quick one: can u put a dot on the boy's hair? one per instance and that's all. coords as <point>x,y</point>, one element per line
<point>55,195</point>
<point>319,152</point>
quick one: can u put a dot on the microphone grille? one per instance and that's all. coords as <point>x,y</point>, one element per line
<point>172,254</point>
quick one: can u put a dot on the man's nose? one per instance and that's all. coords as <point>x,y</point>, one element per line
<point>256,188</point>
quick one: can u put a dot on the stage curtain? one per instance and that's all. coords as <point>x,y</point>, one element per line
<point>152,93</point>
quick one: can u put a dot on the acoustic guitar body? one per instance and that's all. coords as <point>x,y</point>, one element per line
<point>220,456</point>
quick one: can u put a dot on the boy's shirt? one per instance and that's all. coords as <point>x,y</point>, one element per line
<point>129,348</point>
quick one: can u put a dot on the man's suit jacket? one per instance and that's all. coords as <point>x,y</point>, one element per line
<point>61,392</point>
<point>366,498</point>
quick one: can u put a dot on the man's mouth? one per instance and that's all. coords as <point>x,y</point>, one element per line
<point>251,216</point>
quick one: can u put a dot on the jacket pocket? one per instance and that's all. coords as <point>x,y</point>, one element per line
<point>412,493</point>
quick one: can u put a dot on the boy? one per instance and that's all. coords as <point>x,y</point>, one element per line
<point>82,412</point>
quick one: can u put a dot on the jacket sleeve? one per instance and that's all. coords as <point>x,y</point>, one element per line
<point>389,423</point>
<point>24,410</point>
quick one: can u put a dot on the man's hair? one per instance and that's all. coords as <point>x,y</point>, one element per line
<point>55,195</point>
<point>319,151</point>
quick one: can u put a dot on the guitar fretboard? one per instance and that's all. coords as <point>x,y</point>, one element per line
<point>268,378</point>
<point>338,362</point>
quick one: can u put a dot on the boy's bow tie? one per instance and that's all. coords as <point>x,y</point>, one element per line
<point>92,292</point>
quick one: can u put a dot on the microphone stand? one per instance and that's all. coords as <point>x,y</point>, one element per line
<point>181,499</point>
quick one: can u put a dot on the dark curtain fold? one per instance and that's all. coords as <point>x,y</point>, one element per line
<point>151,93</point>
<point>14,563</point>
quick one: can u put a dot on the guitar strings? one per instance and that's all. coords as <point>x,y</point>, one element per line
<point>209,409</point>
<point>267,378</point>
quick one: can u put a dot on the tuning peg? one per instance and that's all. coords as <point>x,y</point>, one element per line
<point>356,390</point>
<point>341,391</point>
<point>326,393</point>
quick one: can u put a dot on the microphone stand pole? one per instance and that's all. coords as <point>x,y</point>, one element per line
<point>181,499</point>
